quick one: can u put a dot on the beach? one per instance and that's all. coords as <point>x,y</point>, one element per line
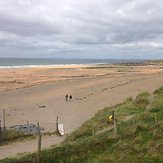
<point>37,94</point>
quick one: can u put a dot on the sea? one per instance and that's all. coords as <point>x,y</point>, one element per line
<point>39,62</point>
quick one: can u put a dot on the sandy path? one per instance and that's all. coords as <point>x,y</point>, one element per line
<point>90,95</point>
<point>29,146</point>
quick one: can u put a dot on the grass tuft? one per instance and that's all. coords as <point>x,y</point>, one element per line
<point>159,91</point>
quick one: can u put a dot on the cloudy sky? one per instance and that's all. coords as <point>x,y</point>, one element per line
<point>82,28</point>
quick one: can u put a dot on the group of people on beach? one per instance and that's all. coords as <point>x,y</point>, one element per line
<point>68,97</point>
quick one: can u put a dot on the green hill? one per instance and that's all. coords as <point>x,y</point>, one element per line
<point>139,136</point>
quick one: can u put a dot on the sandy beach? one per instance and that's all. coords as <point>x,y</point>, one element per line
<point>38,94</point>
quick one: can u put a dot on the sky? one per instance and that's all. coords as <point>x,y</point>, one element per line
<point>112,29</point>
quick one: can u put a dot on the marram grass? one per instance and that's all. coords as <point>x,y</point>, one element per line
<point>139,136</point>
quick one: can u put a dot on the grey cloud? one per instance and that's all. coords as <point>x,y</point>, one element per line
<point>97,28</point>
<point>28,27</point>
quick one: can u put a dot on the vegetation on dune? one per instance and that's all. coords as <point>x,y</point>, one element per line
<point>139,137</point>
<point>157,61</point>
<point>159,91</point>
<point>13,135</point>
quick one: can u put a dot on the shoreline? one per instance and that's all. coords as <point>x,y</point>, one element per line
<point>85,65</point>
<point>50,66</point>
<point>61,62</point>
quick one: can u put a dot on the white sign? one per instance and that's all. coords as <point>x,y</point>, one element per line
<point>61,129</point>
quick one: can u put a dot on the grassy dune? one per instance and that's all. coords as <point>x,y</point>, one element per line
<point>139,137</point>
<point>159,61</point>
<point>12,136</point>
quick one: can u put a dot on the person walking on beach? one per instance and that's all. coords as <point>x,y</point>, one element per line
<point>66,97</point>
<point>70,97</point>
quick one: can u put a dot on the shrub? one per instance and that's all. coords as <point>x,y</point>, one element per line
<point>153,110</point>
<point>159,91</point>
<point>142,101</point>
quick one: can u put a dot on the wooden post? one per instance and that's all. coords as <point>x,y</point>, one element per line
<point>155,119</point>
<point>115,127</point>
<point>27,124</point>
<point>57,124</point>
<point>66,143</point>
<point>113,115</point>
<point>39,144</point>
<point>39,148</point>
<point>154,132</point>
<point>93,132</point>
<point>115,123</point>
<point>133,122</point>
<point>4,124</point>
<point>0,132</point>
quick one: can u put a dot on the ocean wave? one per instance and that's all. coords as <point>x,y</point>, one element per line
<point>48,66</point>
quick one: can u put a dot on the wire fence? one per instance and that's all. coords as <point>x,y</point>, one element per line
<point>31,128</point>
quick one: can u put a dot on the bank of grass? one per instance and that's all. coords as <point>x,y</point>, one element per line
<point>16,136</point>
<point>157,61</point>
<point>12,136</point>
<point>139,138</point>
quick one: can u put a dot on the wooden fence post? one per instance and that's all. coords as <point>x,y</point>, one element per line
<point>115,123</point>
<point>39,144</point>
<point>27,124</point>
<point>0,132</point>
<point>93,132</point>
<point>113,114</point>
<point>57,124</point>
<point>155,119</point>
<point>133,122</point>
<point>115,127</point>
<point>66,143</point>
<point>4,125</point>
